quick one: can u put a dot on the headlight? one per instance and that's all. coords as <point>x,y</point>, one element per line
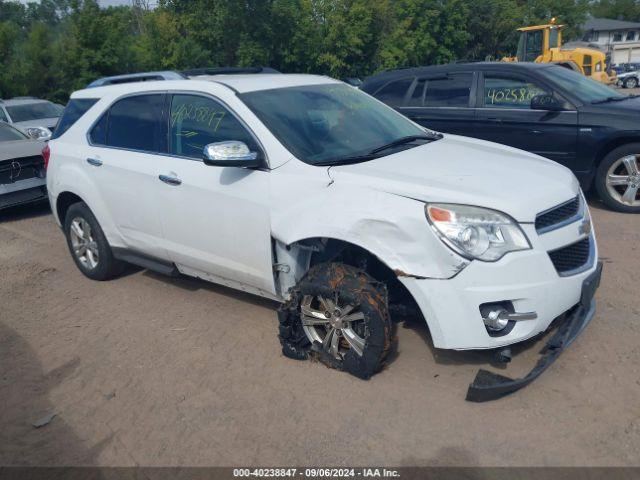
<point>476,233</point>
<point>38,133</point>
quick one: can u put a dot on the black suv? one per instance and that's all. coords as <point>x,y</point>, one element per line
<point>542,108</point>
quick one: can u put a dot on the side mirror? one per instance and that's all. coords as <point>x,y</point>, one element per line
<point>546,101</point>
<point>230,154</point>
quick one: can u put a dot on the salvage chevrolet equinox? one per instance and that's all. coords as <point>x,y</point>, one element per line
<point>305,190</point>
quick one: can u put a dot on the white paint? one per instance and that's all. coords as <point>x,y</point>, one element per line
<point>220,222</point>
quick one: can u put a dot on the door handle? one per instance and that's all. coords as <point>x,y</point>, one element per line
<point>170,180</point>
<point>494,119</point>
<point>94,161</point>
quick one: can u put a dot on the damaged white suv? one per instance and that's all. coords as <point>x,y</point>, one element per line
<point>305,190</point>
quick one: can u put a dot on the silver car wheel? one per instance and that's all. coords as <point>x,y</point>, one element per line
<point>337,328</point>
<point>84,246</point>
<point>623,180</point>
<point>631,83</point>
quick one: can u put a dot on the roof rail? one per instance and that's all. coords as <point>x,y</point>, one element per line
<point>137,77</point>
<point>24,97</point>
<point>196,72</point>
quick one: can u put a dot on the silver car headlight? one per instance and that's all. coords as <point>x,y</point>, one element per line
<point>476,233</point>
<point>38,133</point>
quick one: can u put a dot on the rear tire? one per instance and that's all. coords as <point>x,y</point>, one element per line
<point>618,179</point>
<point>345,323</point>
<point>88,245</point>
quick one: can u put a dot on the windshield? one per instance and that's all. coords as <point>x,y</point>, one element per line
<point>586,89</point>
<point>34,111</point>
<point>8,134</point>
<point>322,124</point>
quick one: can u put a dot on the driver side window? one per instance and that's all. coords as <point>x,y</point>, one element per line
<point>196,121</point>
<point>505,92</point>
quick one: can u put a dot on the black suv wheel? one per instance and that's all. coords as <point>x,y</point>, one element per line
<point>618,179</point>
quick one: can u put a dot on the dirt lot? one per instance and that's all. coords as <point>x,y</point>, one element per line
<point>146,370</point>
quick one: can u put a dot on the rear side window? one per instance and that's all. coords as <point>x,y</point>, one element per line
<point>133,123</point>
<point>452,91</point>
<point>75,109</point>
<point>393,93</point>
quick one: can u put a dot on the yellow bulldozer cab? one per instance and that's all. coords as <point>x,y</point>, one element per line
<point>543,44</point>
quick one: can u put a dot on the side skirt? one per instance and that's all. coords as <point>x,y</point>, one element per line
<point>144,261</point>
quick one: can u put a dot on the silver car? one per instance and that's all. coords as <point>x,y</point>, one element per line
<point>22,169</point>
<point>36,117</point>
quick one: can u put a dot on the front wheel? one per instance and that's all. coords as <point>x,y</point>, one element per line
<point>338,314</point>
<point>630,82</point>
<point>618,179</point>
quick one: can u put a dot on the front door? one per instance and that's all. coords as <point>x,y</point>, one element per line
<point>505,116</point>
<point>216,220</point>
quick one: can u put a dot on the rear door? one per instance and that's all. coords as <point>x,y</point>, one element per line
<point>504,115</point>
<point>123,158</point>
<point>443,102</point>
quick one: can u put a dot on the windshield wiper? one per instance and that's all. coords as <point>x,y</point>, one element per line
<point>402,141</point>
<point>348,160</point>
<point>614,99</point>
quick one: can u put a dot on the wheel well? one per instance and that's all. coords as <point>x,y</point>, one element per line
<point>64,201</point>
<point>401,302</point>
<point>612,145</point>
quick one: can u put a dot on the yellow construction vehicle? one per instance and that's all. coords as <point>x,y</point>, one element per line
<point>543,44</point>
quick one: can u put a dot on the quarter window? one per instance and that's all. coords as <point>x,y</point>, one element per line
<point>133,123</point>
<point>195,122</point>
<point>452,91</point>
<point>502,92</point>
<point>3,116</point>
<point>75,109</point>
<point>393,93</point>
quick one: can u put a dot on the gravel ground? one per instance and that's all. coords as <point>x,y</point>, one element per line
<point>147,370</point>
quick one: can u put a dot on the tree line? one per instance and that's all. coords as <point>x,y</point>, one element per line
<point>52,47</point>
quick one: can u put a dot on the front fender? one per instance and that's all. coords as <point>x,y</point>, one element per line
<point>391,227</point>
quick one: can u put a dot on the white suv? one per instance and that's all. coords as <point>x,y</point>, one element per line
<point>305,190</point>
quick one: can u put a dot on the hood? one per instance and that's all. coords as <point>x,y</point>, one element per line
<point>628,74</point>
<point>20,148</point>
<point>468,171</point>
<point>49,123</point>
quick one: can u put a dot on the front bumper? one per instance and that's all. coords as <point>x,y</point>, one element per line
<point>490,386</point>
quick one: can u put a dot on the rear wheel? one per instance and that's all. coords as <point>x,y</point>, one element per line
<point>618,179</point>
<point>88,245</point>
<point>338,314</point>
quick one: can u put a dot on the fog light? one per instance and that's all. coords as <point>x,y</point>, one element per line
<point>496,320</point>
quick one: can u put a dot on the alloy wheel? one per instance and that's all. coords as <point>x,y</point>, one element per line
<point>623,180</point>
<point>85,248</point>
<point>337,328</point>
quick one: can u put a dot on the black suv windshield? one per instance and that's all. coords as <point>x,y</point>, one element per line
<point>586,89</point>
<point>332,123</point>
<point>34,111</point>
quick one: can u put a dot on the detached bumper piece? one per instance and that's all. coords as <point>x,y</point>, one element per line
<point>490,386</point>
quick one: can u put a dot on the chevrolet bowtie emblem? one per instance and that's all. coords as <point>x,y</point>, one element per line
<point>16,169</point>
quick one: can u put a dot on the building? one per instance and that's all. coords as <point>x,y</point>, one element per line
<point>619,39</point>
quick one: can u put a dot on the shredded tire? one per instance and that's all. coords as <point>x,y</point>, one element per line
<point>355,287</point>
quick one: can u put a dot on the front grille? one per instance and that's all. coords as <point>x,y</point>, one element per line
<point>572,257</point>
<point>550,219</point>
<point>17,169</point>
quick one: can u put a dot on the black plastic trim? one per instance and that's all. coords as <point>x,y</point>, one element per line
<point>491,386</point>
<point>145,261</point>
